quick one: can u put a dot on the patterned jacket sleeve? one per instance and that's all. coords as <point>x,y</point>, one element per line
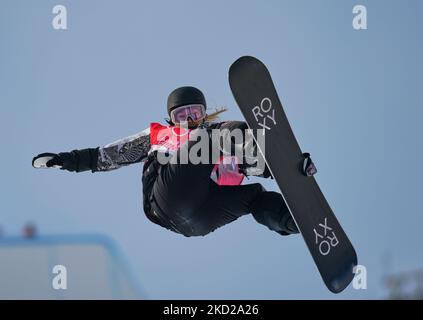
<point>123,152</point>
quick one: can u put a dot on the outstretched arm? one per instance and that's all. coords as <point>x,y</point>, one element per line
<point>120,153</point>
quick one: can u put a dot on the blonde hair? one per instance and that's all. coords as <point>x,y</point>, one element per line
<point>214,115</point>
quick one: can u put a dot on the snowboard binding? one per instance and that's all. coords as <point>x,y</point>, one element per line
<point>307,166</point>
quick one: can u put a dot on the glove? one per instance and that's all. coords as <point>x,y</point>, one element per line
<point>63,161</point>
<point>307,166</point>
<point>47,160</point>
<point>74,161</point>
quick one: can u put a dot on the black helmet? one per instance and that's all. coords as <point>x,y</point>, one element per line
<point>183,96</point>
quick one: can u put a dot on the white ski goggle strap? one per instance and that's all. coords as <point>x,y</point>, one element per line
<point>194,111</point>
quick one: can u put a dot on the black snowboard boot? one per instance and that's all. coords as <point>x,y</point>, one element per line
<point>270,209</point>
<point>289,225</point>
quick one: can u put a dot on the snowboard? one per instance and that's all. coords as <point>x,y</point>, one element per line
<point>256,96</point>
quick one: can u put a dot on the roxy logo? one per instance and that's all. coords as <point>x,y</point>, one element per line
<point>265,114</point>
<point>325,238</point>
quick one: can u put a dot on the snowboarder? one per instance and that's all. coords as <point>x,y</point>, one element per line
<point>187,198</point>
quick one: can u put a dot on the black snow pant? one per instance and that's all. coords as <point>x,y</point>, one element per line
<point>194,205</point>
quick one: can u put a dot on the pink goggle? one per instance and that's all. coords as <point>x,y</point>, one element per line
<point>183,113</point>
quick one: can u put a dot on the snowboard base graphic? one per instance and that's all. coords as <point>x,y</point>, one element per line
<point>255,94</point>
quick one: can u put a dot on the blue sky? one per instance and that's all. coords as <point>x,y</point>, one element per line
<point>353,98</point>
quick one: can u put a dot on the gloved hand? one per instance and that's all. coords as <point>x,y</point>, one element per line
<point>47,160</point>
<point>74,161</point>
<point>307,166</point>
<point>63,160</point>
